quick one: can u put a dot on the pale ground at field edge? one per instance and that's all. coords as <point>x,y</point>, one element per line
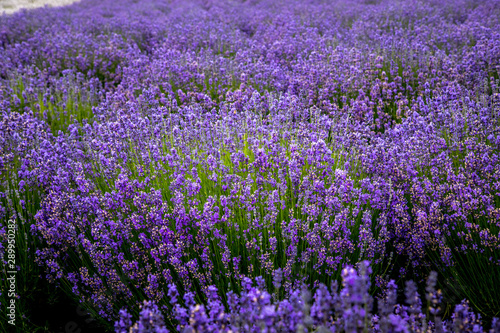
<point>11,6</point>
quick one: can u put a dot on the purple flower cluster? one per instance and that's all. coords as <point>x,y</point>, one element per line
<point>205,143</point>
<point>330,310</point>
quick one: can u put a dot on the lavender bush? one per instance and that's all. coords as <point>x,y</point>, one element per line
<point>156,148</point>
<point>330,310</point>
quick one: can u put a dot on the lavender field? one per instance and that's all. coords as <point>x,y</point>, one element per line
<point>250,166</point>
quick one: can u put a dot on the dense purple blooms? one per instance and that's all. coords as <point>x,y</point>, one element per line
<point>166,153</point>
<point>150,320</point>
<point>347,310</point>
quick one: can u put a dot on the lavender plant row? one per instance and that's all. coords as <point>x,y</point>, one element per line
<point>203,144</point>
<point>328,311</point>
